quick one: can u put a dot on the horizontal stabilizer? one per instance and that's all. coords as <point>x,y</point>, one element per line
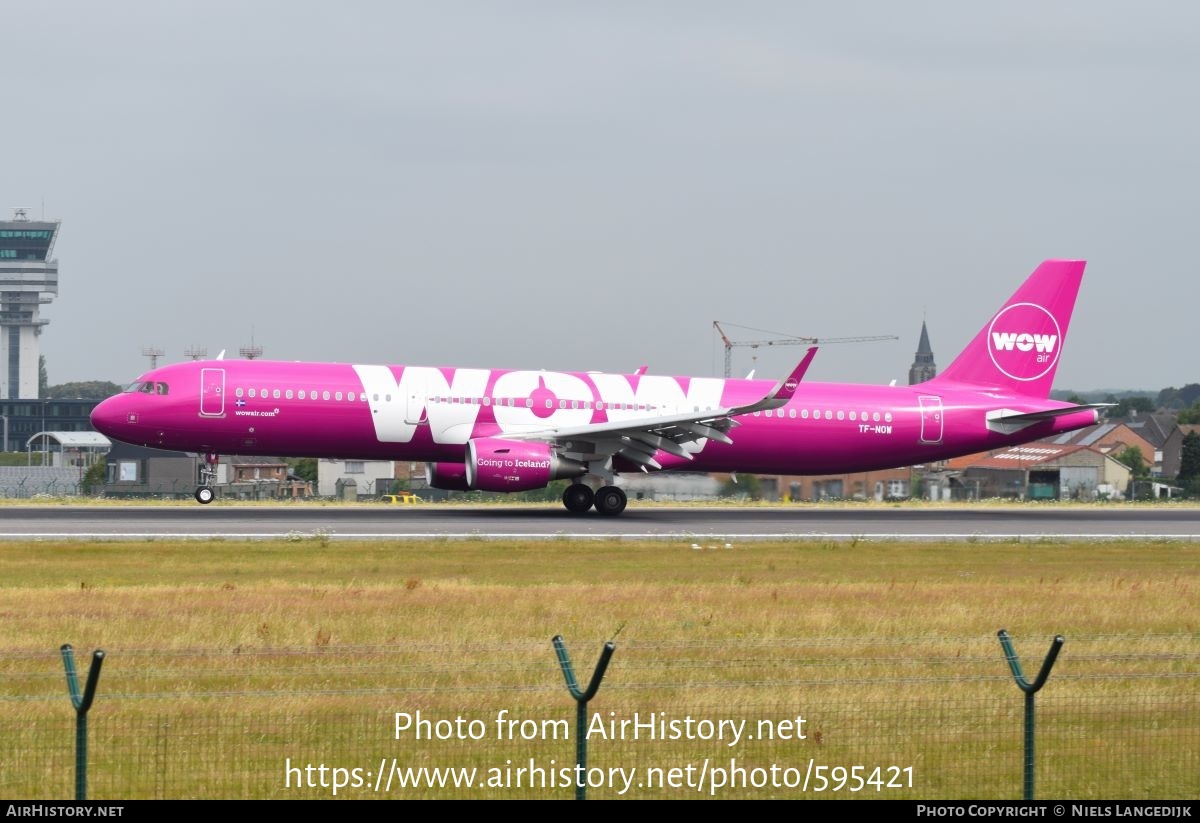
<point>1007,421</point>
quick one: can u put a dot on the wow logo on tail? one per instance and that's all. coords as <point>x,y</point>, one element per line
<point>1018,350</point>
<point>1024,341</point>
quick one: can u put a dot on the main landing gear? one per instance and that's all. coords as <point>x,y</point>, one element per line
<point>578,498</point>
<point>208,474</point>
<point>608,500</point>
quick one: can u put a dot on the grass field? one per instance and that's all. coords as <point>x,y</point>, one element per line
<point>227,659</point>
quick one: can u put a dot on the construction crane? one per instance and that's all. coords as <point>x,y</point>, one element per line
<point>786,340</point>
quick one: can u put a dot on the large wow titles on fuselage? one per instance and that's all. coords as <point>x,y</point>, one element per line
<point>457,404</point>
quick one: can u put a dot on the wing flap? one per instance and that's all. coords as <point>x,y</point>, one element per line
<point>656,442</point>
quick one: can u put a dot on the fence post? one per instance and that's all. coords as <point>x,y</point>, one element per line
<point>81,702</point>
<point>1030,690</point>
<point>581,701</point>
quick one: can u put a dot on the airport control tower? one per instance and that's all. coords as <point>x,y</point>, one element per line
<point>28,278</point>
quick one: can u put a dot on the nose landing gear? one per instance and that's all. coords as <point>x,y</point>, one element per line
<point>208,474</point>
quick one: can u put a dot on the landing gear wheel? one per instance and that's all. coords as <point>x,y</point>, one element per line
<point>208,474</point>
<point>610,501</point>
<point>577,498</point>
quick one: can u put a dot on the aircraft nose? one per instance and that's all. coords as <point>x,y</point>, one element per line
<point>110,416</point>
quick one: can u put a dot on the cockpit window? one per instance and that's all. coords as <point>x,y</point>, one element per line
<point>146,387</point>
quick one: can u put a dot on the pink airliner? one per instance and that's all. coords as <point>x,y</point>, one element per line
<point>506,430</point>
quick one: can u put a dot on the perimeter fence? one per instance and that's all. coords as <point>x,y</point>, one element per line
<point>930,718</point>
<point>28,482</point>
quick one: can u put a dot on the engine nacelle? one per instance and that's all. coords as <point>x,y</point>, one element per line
<point>497,465</point>
<point>450,476</point>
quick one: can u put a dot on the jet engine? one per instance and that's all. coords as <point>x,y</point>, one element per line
<point>451,476</point>
<point>494,464</point>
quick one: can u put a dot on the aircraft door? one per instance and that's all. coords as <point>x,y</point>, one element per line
<point>416,412</point>
<point>931,419</point>
<point>212,392</point>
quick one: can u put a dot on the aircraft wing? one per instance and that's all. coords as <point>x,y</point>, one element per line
<point>638,439</point>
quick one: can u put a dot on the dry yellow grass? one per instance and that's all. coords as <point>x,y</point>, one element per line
<point>890,649</point>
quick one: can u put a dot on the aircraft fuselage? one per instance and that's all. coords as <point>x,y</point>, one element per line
<point>257,407</point>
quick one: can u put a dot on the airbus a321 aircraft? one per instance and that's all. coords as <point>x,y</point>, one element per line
<point>507,430</point>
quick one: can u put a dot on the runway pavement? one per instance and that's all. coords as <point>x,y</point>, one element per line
<point>334,522</point>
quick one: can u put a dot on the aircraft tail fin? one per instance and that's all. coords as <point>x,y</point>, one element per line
<point>1018,349</point>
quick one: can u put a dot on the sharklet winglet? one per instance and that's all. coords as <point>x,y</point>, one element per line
<point>784,390</point>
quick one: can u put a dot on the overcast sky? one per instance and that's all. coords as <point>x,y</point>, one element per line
<point>580,186</point>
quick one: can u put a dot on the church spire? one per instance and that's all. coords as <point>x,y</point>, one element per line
<point>923,367</point>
